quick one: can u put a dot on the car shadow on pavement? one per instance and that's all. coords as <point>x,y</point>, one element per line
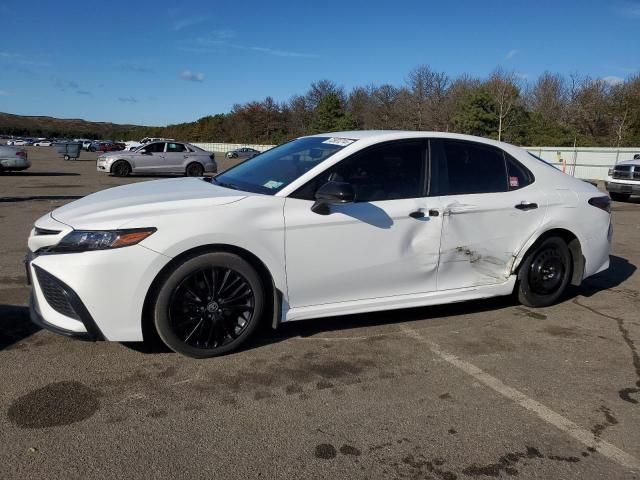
<point>620,269</point>
<point>15,325</point>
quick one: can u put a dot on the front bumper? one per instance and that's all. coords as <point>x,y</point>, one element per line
<point>93,295</point>
<point>617,187</point>
<point>90,334</point>
<point>103,166</point>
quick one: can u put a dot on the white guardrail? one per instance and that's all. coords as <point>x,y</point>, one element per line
<point>589,163</point>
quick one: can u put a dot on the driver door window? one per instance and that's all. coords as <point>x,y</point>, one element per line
<point>154,148</point>
<point>389,172</point>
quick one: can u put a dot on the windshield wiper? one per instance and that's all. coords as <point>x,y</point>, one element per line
<point>226,184</point>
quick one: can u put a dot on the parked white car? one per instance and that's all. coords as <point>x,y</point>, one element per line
<point>43,143</point>
<point>324,225</point>
<point>18,143</point>
<point>131,145</point>
<point>623,180</point>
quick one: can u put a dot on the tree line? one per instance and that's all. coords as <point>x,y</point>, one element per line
<point>550,110</point>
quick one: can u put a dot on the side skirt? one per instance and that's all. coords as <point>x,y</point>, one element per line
<point>400,301</point>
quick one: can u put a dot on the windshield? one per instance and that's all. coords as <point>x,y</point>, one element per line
<point>274,169</point>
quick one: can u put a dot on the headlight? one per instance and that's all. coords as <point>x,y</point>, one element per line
<point>86,240</point>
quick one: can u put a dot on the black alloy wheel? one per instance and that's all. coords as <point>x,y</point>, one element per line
<point>121,169</point>
<point>545,273</point>
<point>209,305</point>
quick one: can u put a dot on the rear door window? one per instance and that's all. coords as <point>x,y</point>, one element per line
<point>175,147</point>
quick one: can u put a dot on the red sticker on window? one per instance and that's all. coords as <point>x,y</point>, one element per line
<point>514,182</point>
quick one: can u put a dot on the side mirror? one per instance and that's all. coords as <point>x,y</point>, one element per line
<point>332,193</point>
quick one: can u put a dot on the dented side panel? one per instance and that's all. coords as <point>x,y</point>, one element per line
<point>483,233</point>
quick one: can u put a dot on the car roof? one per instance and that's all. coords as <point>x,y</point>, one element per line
<point>381,135</point>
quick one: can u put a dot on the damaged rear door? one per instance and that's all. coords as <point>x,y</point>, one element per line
<point>491,206</point>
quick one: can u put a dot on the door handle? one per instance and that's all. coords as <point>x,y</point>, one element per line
<point>434,213</point>
<point>526,206</point>
<point>417,214</point>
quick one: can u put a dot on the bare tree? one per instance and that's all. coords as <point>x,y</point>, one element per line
<point>427,89</point>
<point>504,89</point>
<point>548,96</point>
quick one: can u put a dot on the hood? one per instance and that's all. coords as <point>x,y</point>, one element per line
<point>114,207</point>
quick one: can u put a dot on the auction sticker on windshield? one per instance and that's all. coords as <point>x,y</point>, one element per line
<point>342,142</point>
<point>272,184</point>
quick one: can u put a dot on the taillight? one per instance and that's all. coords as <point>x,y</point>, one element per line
<point>603,203</point>
<point>21,154</point>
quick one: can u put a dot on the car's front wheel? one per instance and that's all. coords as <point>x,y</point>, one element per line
<point>209,305</point>
<point>619,197</point>
<point>121,168</point>
<point>545,273</point>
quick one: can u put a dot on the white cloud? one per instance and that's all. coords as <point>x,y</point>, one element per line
<point>629,9</point>
<point>612,80</point>
<point>216,38</point>
<point>4,93</point>
<point>510,54</point>
<point>192,76</point>
<point>276,53</point>
<point>188,22</point>
<point>128,99</point>
<point>224,38</point>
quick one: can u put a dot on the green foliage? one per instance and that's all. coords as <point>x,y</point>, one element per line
<point>475,116</point>
<point>330,116</point>
<point>548,111</point>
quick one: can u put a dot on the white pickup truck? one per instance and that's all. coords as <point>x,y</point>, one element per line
<point>623,180</point>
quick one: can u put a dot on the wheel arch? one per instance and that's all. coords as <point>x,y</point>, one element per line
<point>272,294</point>
<point>573,242</point>
<point>191,162</point>
<point>120,160</point>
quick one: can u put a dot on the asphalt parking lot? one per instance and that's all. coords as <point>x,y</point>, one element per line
<point>485,389</point>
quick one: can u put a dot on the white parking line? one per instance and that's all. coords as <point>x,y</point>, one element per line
<point>545,413</point>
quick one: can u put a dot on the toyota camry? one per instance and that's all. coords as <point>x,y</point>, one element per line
<point>324,225</point>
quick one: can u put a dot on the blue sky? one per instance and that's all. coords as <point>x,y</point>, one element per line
<point>156,62</point>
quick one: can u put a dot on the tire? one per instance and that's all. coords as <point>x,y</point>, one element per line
<point>545,273</point>
<point>194,170</point>
<point>208,305</point>
<point>619,197</point>
<point>67,157</point>
<point>121,168</point>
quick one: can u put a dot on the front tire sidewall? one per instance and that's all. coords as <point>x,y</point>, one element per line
<point>526,295</point>
<point>121,169</point>
<point>173,280</point>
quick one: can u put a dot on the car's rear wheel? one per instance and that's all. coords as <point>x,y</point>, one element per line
<point>121,168</point>
<point>209,305</point>
<point>194,170</point>
<point>619,197</point>
<point>545,273</point>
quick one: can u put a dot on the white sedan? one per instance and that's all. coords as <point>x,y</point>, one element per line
<point>43,143</point>
<point>324,225</point>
